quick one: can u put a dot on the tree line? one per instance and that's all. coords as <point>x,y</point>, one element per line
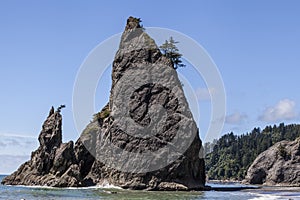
<point>230,156</point>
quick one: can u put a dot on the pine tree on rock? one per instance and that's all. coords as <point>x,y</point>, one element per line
<point>170,50</point>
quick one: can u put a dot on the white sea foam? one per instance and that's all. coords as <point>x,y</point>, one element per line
<point>105,185</point>
<point>265,197</point>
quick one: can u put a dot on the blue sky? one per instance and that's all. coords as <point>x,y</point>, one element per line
<point>255,45</point>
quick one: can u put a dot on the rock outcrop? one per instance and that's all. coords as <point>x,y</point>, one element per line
<point>52,162</point>
<point>279,165</point>
<point>144,138</point>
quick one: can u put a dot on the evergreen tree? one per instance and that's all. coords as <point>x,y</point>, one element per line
<point>170,50</point>
<point>60,107</point>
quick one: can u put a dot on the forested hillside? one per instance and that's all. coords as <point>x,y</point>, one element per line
<point>231,155</point>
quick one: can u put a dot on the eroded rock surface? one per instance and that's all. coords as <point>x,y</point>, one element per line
<point>144,138</point>
<point>279,165</point>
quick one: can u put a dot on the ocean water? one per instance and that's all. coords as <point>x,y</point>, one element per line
<point>91,193</point>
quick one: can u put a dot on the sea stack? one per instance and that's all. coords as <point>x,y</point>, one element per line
<point>144,138</point>
<point>53,163</point>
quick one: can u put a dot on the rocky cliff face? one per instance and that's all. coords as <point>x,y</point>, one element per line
<point>145,138</point>
<point>279,165</point>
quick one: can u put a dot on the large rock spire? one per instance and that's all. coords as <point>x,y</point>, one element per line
<point>144,138</point>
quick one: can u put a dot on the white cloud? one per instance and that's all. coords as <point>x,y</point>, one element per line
<point>14,150</point>
<point>11,163</point>
<point>236,118</point>
<point>17,145</point>
<point>17,135</point>
<point>204,94</point>
<point>283,110</point>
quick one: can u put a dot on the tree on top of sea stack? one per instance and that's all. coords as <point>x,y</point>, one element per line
<point>170,50</point>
